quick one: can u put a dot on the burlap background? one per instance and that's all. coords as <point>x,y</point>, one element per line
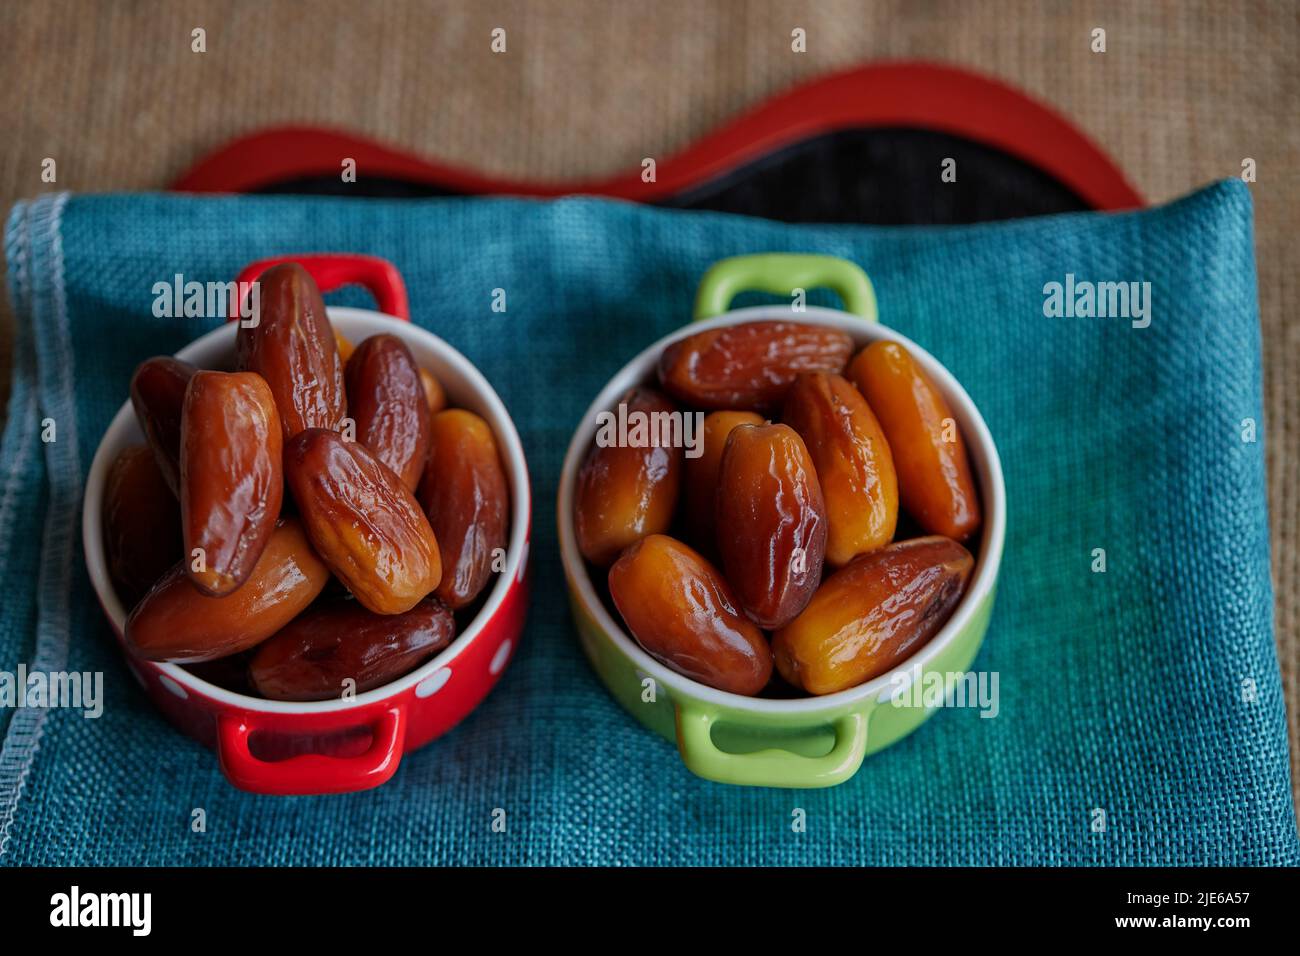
<point>1184,92</point>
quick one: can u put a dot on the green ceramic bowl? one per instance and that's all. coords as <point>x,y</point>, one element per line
<point>812,741</point>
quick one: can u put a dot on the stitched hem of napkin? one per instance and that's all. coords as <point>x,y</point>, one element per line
<point>43,365</point>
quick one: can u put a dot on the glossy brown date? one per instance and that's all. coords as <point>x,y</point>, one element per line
<point>625,491</point>
<point>177,622</point>
<point>682,612</point>
<point>387,401</point>
<point>934,477</point>
<point>142,524</point>
<point>751,365</point>
<point>362,521</point>
<point>231,477</point>
<point>467,501</point>
<point>434,395</point>
<point>771,526</point>
<point>872,613</point>
<point>854,466</point>
<point>293,347</point>
<point>345,347</point>
<point>338,645</point>
<point>701,476</point>
<point>158,396</point>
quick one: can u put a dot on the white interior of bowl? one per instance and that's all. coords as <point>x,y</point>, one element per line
<point>466,388</point>
<point>984,460</point>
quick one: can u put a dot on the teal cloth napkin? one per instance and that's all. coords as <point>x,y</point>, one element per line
<point>1148,693</point>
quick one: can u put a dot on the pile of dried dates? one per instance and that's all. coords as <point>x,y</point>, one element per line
<point>310,523</point>
<point>773,545</point>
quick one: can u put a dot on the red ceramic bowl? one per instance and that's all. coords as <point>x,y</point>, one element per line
<point>341,745</point>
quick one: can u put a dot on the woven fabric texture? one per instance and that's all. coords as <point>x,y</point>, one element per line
<point>1121,691</point>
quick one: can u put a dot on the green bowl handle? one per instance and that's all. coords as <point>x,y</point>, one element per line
<point>781,273</point>
<point>769,768</point>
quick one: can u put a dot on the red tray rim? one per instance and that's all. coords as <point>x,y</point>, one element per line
<point>908,94</point>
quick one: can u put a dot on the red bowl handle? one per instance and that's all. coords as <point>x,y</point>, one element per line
<point>333,270</point>
<point>309,773</point>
